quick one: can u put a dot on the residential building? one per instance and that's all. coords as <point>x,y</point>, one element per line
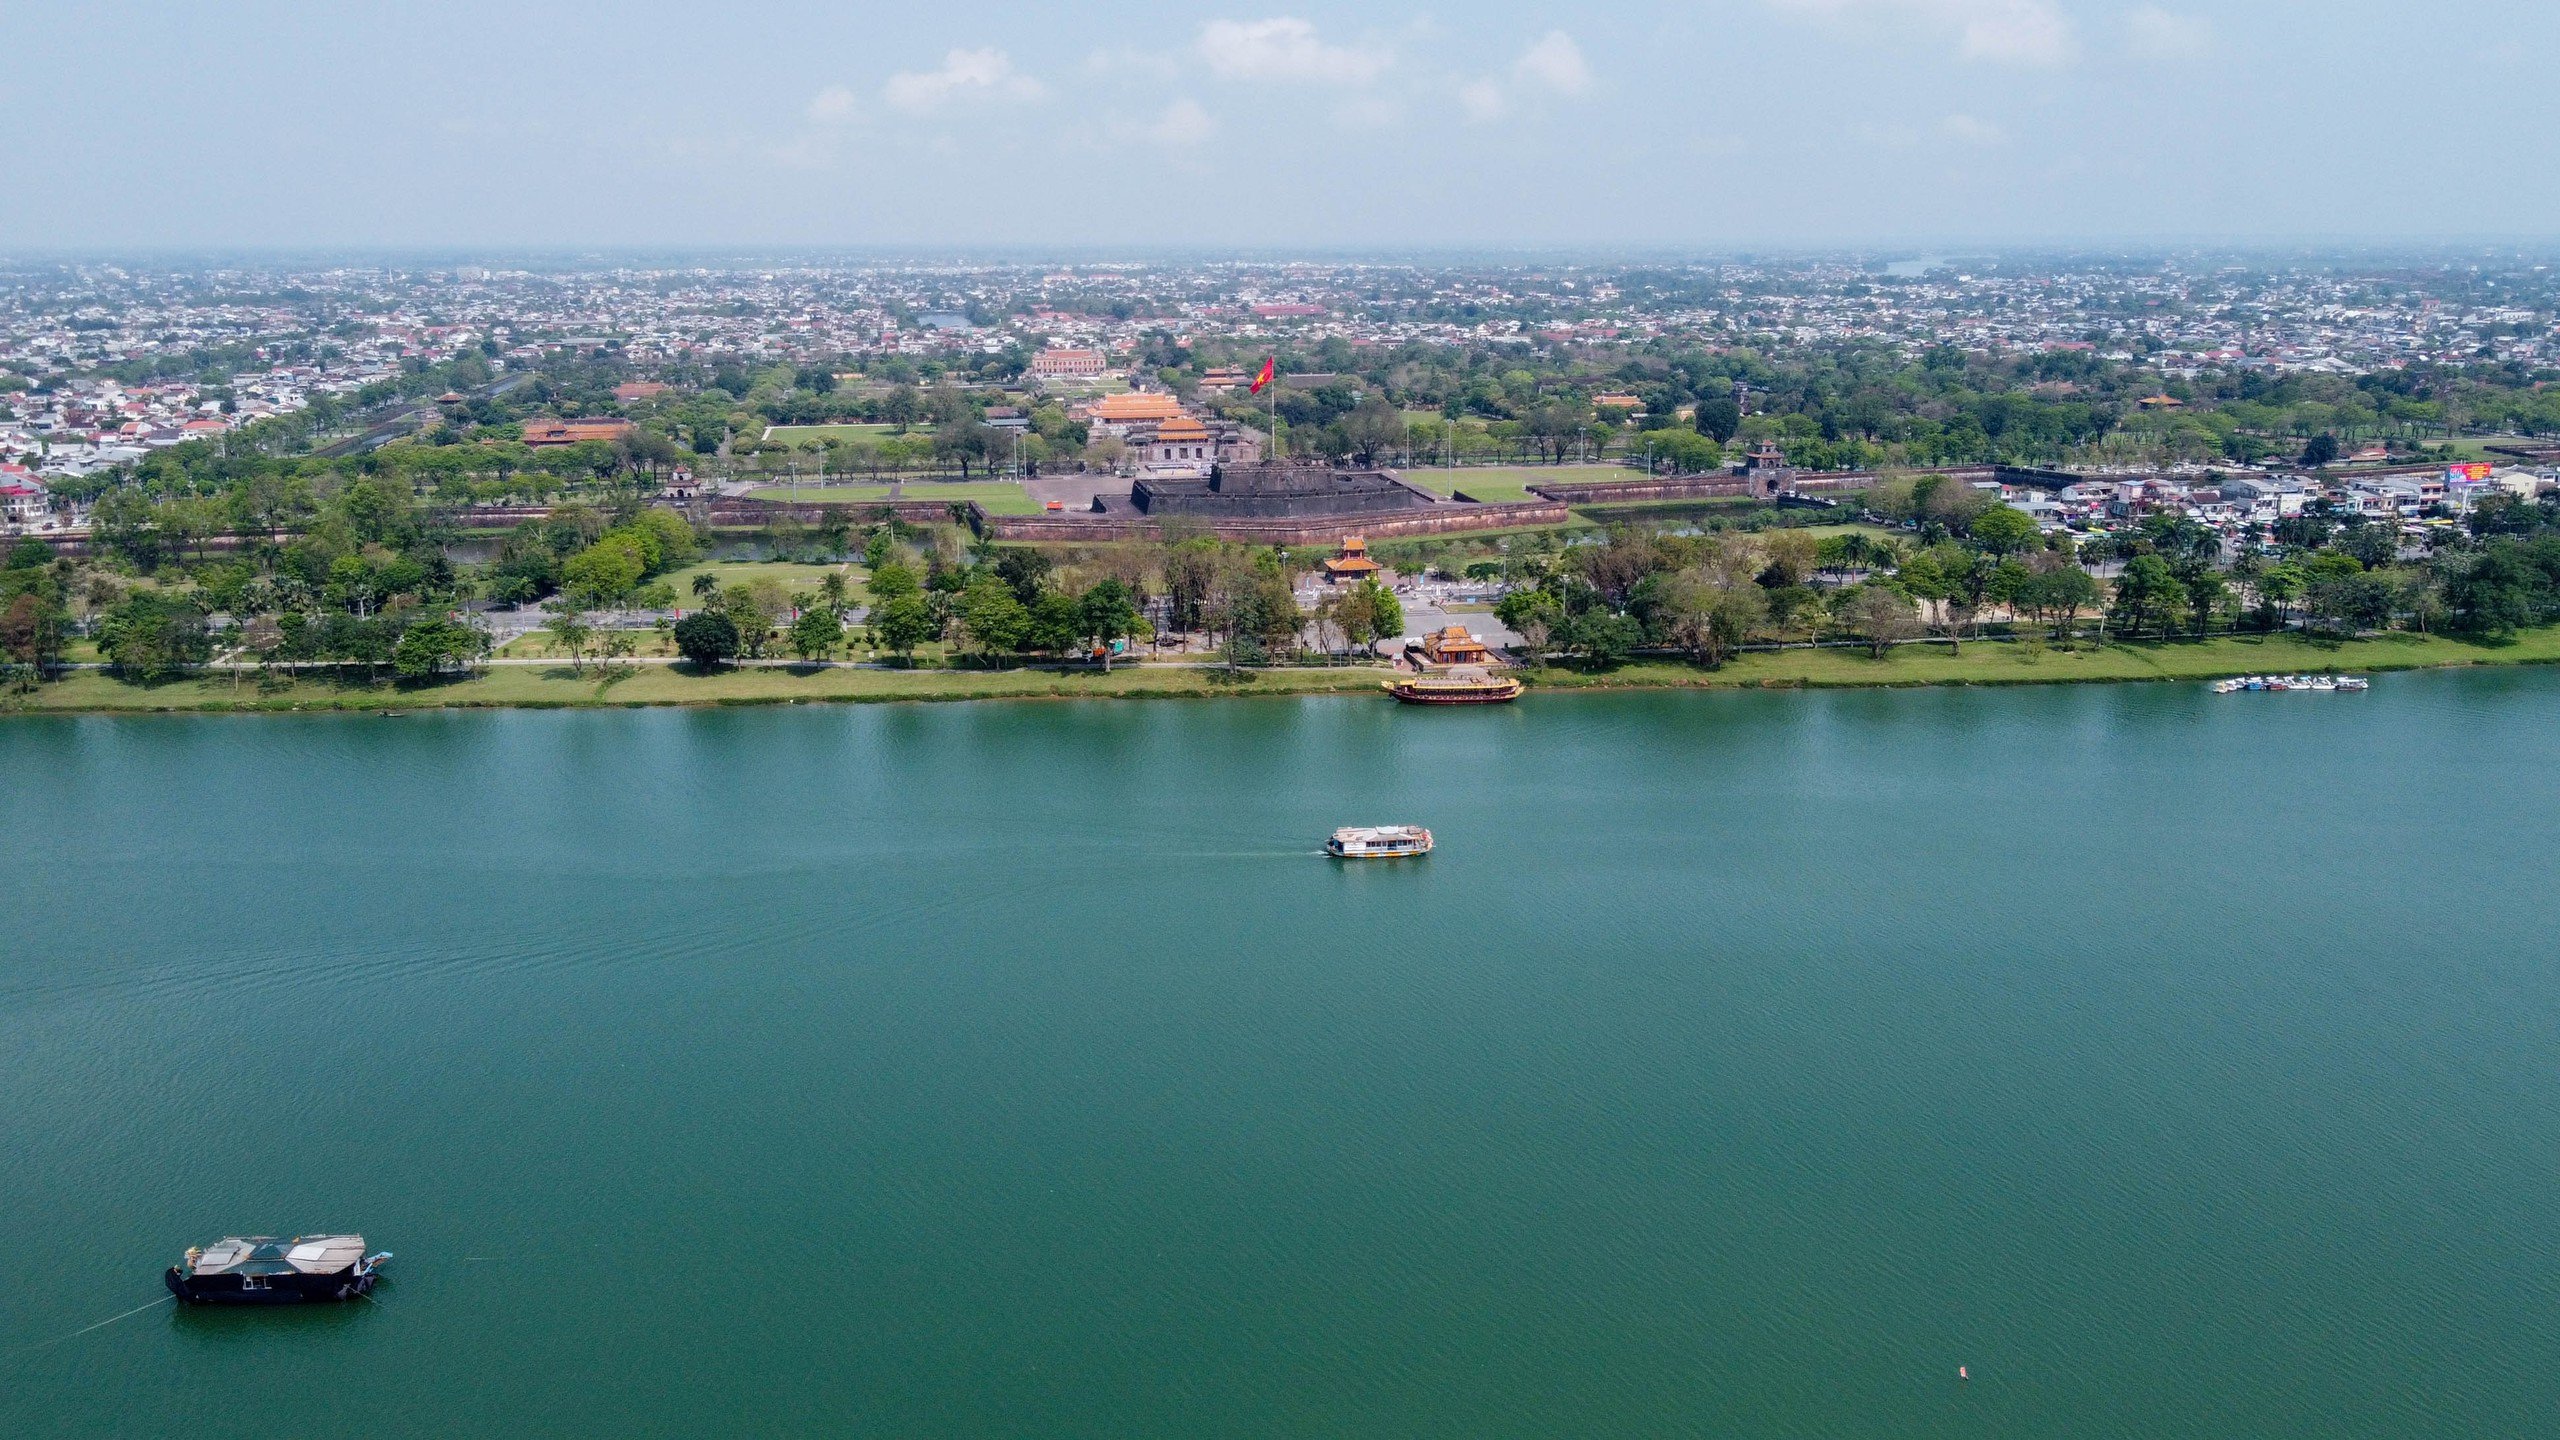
<point>573,432</point>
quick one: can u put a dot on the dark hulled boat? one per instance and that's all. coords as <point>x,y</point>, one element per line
<point>263,1270</point>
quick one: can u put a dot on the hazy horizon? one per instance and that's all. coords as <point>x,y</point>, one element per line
<point>1319,128</point>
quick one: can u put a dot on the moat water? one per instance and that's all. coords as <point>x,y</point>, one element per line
<point>1741,1065</point>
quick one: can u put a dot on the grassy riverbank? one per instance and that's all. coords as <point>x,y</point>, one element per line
<point>1977,664</point>
<point>551,686</point>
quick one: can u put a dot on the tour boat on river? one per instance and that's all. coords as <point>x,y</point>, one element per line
<point>1378,842</point>
<point>1475,688</point>
<point>263,1270</point>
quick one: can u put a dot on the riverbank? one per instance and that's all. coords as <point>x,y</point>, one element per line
<point>1976,663</point>
<point>2006,663</point>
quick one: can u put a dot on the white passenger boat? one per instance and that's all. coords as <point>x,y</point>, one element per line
<point>1378,842</point>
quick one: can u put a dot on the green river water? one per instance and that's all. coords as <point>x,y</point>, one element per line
<point>1741,1065</point>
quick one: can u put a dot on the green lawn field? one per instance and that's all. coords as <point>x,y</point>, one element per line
<point>1980,663</point>
<point>794,577</point>
<point>804,434</point>
<point>658,684</point>
<point>1498,484</point>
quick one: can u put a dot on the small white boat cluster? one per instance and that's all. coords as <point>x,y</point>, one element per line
<point>2292,682</point>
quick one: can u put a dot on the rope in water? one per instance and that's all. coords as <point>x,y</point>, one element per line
<point>110,1320</point>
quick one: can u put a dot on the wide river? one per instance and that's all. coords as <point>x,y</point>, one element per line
<point>1741,1065</point>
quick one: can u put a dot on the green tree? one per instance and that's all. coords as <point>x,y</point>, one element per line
<point>1881,616</point>
<point>903,622</point>
<point>606,571</point>
<point>2207,593</point>
<point>708,638</point>
<point>150,636</point>
<point>1604,638</point>
<point>429,647</point>
<point>892,579</point>
<point>2278,588</point>
<point>1386,611</point>
<point>754,607</point>
<point>571,632</point>
<point>1710,613</point>
<point>2060,594</point>
<point>991,617</point>
<point>1534,615</point>
<point>2003,530</point>
<point>2496,593</point>
<point>1108,613</point>
<point>2146,592</point>
<point>817,633</point>
<point>31,637</point>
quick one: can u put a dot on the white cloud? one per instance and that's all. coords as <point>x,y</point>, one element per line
<point>1483,101</point>
<point>1555,63</point>
<point>2156,34</point>
<point>801,152</point>
<point>964,75</point>
<point>1368,112</point>
<point>1130,60</point>
<point>1183,125</point>
<point>834,106</point>
<point>1286,48</point>
<point>2006,32</point>
<point>1967,130</point>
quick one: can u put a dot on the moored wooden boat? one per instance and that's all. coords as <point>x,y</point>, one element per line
<point>1453,689</point>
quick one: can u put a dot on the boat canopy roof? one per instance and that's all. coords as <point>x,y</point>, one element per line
<point>267,1255</point>
<point>1376,834</point>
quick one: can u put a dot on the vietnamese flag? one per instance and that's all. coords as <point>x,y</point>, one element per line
<point>1265,377</point>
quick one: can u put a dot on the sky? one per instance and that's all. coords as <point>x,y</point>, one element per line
<point>1706,125</point>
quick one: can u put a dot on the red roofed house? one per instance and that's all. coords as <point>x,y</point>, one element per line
<point>22,497</point>
<point>1452,645</point>
<point>573,432</point>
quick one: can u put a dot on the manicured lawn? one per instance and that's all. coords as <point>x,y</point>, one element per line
<point>1494,483</point>
<point>1000,497</point>
<point>1825,532</point>
<point>794,577</point>
<point>553,685</point>
<point>1497,484</point>
<point>1494,492</point>
<point>803,434</point>
<point>538,646</point>
<point>1979,663</point>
